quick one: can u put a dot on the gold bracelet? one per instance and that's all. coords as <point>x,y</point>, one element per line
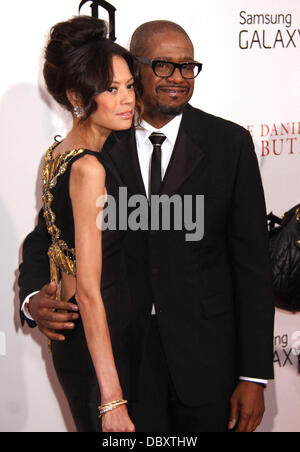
<point>111,403</point>
<point>110,406</point>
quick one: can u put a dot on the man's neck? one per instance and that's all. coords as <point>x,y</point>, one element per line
<point>157,121</point>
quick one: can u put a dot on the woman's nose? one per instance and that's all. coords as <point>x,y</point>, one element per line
<point>128,97</point>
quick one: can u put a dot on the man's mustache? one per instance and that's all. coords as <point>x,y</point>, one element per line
<point>172,87</point>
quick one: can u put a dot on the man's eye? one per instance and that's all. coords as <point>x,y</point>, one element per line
<point>190,67</point>
<point>162,65</point>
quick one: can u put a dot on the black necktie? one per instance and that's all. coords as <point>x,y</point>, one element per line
<point>157,139</point>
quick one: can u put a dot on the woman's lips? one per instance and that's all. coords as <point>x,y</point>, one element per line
<point>126,114</point>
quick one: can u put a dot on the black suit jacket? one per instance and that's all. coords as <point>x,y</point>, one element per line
<point>213,297</point>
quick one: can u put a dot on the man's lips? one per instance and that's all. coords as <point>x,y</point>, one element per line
<point>173,91</point>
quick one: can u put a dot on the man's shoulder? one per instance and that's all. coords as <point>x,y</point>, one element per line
<point>212,123</point>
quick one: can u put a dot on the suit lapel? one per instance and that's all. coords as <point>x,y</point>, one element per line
<point>122,152</point>
<point>187,154</point>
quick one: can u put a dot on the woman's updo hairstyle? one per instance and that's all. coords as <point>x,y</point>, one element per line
<point>78,58</point>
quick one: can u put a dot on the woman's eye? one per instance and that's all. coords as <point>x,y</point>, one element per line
<point>112,89</point>
<point>131,86</point>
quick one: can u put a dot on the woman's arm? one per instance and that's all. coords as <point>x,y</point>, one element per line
<point>87,183</point>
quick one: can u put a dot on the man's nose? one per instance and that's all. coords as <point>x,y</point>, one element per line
<point>176,76</point>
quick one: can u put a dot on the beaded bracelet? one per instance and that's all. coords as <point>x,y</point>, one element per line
<point>110,406</point>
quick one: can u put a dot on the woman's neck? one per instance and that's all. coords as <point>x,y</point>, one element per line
<point>85,136</point>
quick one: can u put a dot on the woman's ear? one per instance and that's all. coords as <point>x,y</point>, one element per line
<point>74,98</point>
<point>76,102</point>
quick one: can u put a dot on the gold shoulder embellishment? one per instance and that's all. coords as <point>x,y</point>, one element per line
<point>61,256</point>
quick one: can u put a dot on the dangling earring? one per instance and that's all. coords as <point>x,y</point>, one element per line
<point>78,111</point>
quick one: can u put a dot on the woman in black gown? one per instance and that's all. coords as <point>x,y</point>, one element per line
<point>97,81</point>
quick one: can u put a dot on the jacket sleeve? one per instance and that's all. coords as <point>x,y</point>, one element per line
<point>34,271</point>
<point>251,269</point>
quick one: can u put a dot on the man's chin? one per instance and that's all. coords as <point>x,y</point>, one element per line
<point>169,111</point>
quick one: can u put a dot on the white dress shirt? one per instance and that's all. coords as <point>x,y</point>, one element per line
<point>144,150</point>
<point>145,147</point>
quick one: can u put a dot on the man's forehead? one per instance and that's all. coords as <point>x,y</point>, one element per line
<point>175,45</point>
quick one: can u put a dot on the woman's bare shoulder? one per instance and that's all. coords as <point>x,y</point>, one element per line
<point>88,166</point>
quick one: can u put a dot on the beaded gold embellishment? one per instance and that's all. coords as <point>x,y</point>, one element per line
<point>61,256</point>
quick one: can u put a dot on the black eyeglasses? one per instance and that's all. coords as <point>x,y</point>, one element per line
<point>165,69</point>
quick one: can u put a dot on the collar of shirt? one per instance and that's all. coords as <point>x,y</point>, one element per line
<point>170,130</point>
<point>145,148</point>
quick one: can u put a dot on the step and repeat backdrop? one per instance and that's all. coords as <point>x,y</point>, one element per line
<point>250,52</point>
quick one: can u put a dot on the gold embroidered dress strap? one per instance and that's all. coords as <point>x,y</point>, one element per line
<point>61,256</point>
<point>58,211</point>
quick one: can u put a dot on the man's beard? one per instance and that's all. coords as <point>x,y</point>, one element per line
<point>170,112</point>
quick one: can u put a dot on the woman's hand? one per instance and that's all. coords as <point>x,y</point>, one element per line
<point>117,420</point>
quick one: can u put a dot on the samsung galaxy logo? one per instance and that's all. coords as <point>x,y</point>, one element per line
<point>271,31</point>
<point>266,19</point>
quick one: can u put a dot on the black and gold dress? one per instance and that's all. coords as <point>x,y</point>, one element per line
<point>71,358</point>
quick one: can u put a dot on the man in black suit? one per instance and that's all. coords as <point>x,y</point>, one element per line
<point>203,309</point>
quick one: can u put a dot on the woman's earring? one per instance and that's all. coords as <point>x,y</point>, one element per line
<point>78,111</point>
